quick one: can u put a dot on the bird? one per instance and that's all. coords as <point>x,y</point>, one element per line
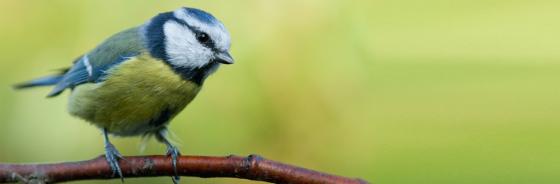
<point>137,80</point>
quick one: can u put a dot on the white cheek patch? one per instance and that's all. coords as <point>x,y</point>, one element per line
<point>182,48</point>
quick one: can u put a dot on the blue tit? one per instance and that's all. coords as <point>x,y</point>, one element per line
<point>137,80</point>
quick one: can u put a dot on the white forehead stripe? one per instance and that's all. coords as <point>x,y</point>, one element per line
<point>216,30</point>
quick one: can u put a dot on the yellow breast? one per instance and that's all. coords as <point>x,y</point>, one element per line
<point>139,96</point>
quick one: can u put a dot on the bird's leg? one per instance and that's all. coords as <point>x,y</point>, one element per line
<point>112,155</point>
<point>172,151</point>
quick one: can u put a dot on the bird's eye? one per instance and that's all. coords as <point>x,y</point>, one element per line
<point>202,37</point>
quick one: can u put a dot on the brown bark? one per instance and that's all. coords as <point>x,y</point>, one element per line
<point>252,167</point>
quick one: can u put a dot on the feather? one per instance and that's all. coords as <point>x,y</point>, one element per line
<point>43,81</point>
<point>93,67</point>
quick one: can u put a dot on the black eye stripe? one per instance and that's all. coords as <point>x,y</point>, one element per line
<point>203,38</point>
<point>209,44</point>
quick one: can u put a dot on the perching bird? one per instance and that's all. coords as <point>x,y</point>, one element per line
<point>137,80</point>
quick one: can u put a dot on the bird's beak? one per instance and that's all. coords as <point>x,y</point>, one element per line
<point>224,58</point>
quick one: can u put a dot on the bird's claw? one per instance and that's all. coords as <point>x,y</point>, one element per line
<point>113,156</point>
<point>174,153</point>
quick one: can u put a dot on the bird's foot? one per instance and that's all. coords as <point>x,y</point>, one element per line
<point>113,156</point>
<point>174,153</point>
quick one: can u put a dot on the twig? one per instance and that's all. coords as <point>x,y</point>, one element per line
<point>252,167</point>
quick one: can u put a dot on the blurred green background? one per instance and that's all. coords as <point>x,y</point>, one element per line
<point>391,91</point>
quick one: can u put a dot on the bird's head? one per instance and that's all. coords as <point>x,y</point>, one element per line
<point>188,38</point>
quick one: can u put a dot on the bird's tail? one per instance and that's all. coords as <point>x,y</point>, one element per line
<point>43,81</point>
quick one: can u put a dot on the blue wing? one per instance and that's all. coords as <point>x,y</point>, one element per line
<point>83,71</point>
<point>93,67</point>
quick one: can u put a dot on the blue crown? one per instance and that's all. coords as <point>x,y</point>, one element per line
<point>201,15</point>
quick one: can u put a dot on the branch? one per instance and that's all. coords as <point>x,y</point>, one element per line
<point>252,167</point>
